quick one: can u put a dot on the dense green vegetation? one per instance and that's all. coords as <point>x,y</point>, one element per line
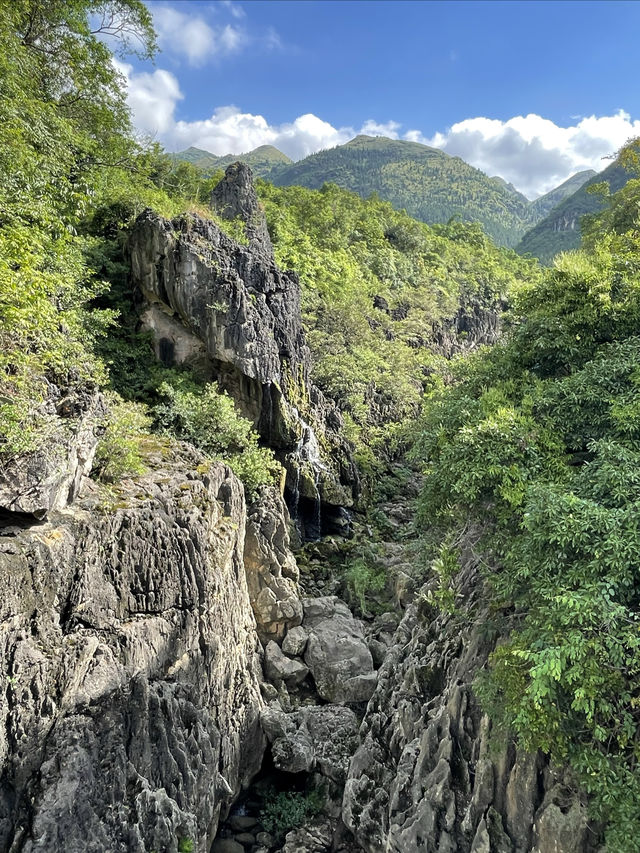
<point>429,184</point>
<point>560,230</point>
<point>375,283</point>
<point>263,160</point>
<point>72,178</point>
<point>539,440</point>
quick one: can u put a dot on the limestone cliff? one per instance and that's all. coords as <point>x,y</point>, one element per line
<point>130,712</point>
<point>429,774</point>
<point>225,309</point>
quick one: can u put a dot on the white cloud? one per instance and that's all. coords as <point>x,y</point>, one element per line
<point>152,97</point>
<point>532,152</point>
<point>229,130</point>
<point>236,10</point>
<point>374,128</point>
<point>192,37</point>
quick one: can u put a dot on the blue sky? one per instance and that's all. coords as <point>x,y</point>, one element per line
<point>532,91</point>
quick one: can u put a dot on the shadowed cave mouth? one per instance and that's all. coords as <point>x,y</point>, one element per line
<point>275,803</point>
<point>19,520</point>
<point>314,519</point>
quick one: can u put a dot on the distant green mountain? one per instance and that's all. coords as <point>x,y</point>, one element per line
<point>430,185</point>
<point>545,204</point>
<point>559,231</point>
<point>262,160</point>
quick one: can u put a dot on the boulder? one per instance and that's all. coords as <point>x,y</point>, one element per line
<point>295,642</point>
<point>337,653</point>
<point>279,668</point>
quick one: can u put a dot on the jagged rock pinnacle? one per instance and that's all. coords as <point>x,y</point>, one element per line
<point>235,196</point>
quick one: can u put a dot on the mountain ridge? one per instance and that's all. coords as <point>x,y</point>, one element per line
<point>428,183</point>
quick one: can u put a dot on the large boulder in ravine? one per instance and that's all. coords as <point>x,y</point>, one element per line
<point>226,310</point>
<point>336,652</point>
<point>316,737</point>
<point>130,717</point>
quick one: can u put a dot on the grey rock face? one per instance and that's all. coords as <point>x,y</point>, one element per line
<point>50,477</point>
<point>430,775</point>
<point>336,652</point>
<point>326,735</point>
<point>235,197</point>
<point>315,837</point>
<point>272,572</point>
<point>228,311</point>
<point>130,719</point>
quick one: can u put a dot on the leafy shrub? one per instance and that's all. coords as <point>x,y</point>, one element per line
<point>209,420</point>
<point>288,810</point>
<point>363,579</point>
<point>119,450</point>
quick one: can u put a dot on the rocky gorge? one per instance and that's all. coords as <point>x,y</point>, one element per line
<point>166,655</point>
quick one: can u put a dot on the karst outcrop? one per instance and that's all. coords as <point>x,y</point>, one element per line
<point>225,309</point>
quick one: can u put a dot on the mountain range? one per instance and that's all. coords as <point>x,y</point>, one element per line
<point>431,186</point>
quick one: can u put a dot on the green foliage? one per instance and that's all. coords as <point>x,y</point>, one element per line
<point>562,228</point>
<point>186,845</point>
<point>287,810</point>
<point>63,125</point>
<point>209,420</point>
<point>119,451</point>
<point>364,579</point>
<point>353,255</point>
<point>540,439</point>
<point>429,184</point>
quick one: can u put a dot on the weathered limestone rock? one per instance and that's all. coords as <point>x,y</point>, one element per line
<point>295,642</point>
<point>235,197</point>
<point>229,312</point>
<point>428,775</point>
<point>314,837</point>
<point>337,653</point>
<point>272,572</point>
<point>327,734</point>
<point>279,668</point>
<point>130,719</point>
<point>50,477</point>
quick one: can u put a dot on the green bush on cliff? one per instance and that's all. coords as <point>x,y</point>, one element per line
<point>119,451</point>
<point>540,439</point>
<point>209,419</point>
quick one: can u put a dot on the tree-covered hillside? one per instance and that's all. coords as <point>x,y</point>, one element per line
<point>560,230</point>
<point>543,205</point>
<point>427,183</point>
<point>263,160</point>
<point>538,440</point>
<point>376,285</point>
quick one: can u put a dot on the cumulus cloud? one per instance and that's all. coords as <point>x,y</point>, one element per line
<point>531,152</point>
<point>230,131</point>
<point>375,128</point>
<point>192,37</point>
<point>152,98</point>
